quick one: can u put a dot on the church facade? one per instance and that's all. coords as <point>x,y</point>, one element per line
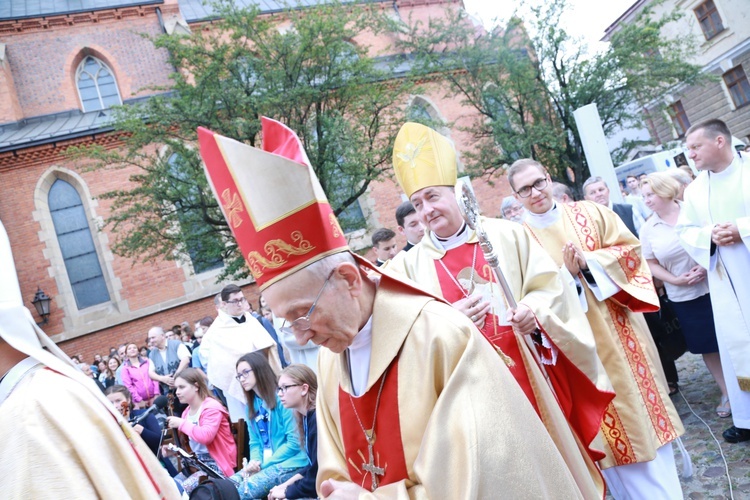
<point>62,66</point>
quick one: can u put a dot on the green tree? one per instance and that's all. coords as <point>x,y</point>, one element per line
<point>526,87</point>
<point>310,76</point>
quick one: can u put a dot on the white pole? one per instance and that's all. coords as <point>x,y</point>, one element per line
<point>596,150</point>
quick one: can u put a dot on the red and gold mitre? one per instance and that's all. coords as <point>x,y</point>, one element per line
<point>423,158</point>
<point>272,201</point>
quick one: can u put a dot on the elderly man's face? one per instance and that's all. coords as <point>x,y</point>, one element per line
<point>598,192</point>
<point>334,322</point>
<point>514,212</point>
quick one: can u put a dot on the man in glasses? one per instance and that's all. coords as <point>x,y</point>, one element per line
<point>592,243</point>
<point>234,332</point>
<point>412,401</point>
<point>448,262</point>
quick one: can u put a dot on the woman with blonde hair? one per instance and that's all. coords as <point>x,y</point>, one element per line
<point>298,387</point>
<point>684,280</point>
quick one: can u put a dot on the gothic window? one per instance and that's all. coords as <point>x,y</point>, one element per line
<point>77,245</point>
<point>96,84</point>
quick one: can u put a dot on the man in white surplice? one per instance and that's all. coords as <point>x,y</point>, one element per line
<point>714,228</point>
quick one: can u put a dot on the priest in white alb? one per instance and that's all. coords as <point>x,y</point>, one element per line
<point>714,228</point>
<point>412,402</point>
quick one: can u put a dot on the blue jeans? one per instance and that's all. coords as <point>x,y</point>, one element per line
<point>259,484</point>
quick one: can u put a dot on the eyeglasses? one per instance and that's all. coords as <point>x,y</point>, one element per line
<point>236,302</point>
<point>303,324</point>
<point>539,184</point>
<point>283,388</point>
<point>243,374</point>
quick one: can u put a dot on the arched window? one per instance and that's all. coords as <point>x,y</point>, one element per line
<point>77,246</point>
<point>96,85</point>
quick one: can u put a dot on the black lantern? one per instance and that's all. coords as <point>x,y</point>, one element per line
<point>41,302</point>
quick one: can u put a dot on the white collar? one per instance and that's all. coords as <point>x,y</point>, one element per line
<point>455,240</point>
<point>544,220</point>
<point>359,358</point>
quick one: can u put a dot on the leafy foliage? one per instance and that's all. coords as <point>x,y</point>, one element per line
<point>304,71</point>
<point>526,87</point>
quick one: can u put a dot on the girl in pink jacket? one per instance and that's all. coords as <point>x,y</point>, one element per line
<point>206,423</point>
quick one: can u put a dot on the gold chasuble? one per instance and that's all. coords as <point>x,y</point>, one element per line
<point>450,422</point>
<point>573,416</point>
<point>641,418</point>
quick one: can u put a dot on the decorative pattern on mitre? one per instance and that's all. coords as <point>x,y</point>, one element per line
<point>275,207</point>
<point>423,158</point>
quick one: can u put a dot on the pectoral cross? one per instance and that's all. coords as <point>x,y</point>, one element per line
<point>370,466</point>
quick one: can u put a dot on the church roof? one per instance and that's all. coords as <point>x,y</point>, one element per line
<point>56,127</point>
<point>192,10</point>
<point>19,9</point>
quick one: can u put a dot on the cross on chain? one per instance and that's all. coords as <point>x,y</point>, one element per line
<point>370,467</point>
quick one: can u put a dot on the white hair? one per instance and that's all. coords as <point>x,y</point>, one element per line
<point>323,267</point>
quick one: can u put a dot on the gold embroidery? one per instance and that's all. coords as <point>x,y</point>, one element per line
<point>410,154</point>
<point>274,250</point>
<point>335,225</point>
<point>639,367</point>
<point>232,207</point>
<point>617,438</point>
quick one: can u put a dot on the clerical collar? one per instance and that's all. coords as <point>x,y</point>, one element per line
<point>240,319</point>
<point>546,219</point>
<point>459,238</point>
<point>358,355</point>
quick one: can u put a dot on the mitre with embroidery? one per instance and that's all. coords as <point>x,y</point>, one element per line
<point>272,201</point>
<point>423,158</point>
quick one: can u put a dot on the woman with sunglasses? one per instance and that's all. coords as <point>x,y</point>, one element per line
<point>298,387</point>
<point>275,452</point>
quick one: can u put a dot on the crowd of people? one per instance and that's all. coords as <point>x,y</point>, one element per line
<point>440,371</point>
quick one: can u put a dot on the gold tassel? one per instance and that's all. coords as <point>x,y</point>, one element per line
<point>744,383</point>
<point>506,359</point>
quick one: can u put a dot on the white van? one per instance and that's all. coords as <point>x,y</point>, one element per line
<point>654,163</point>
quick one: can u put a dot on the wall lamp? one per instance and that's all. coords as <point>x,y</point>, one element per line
<point>41,302</point>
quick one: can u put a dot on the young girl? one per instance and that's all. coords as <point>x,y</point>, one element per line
<point>206,423</point>
<point>135,378</point>
<point>298,387</point>
<point>114,364</point>
<point>106,376</point>
<point>275,453</point>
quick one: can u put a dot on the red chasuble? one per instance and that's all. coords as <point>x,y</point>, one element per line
<point>388,447</point>
<point>582,403</point>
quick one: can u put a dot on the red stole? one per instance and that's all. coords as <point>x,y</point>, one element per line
<point>500,336</point>
<point>388,447</point>
<point>582,403</point>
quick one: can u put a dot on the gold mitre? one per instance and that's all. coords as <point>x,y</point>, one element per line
<point>423,158</point>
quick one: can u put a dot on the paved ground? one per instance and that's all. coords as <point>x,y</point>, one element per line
<point>709,480</point>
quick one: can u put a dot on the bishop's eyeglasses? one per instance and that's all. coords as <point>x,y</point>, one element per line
<point>303,323</point>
